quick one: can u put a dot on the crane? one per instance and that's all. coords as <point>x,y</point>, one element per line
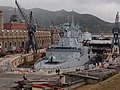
<point>116,31</point>
<point>31,40</point>
<point>54,25</point>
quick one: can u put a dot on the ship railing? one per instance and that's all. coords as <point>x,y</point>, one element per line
<point>62,70</point>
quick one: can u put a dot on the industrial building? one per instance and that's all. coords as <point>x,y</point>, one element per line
<point>14,34</point>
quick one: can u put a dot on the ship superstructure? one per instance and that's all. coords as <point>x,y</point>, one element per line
<point>68,53</point>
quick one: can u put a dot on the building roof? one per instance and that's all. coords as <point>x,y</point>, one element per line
<point>100,41</point>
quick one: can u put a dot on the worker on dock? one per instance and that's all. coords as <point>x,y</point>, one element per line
<point>58,71</point>
<point>25,77</point>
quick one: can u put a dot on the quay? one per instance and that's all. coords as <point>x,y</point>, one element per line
<point>47,75</point>
<point>12,71</point>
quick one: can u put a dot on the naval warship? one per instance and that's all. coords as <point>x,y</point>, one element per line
<point>68,53</point>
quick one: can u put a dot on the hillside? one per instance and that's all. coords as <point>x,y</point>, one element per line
<point>44,17</point>
<point>112,83</point>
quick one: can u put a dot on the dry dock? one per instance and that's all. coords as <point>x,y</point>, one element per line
<point>74,77</point>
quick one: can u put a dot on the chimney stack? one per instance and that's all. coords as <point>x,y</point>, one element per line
<point>1,20</point>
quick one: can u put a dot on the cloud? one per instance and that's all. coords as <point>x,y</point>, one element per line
<point>97,1</point>
<point>105,9</point>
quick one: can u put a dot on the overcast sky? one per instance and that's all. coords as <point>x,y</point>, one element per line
<point>105,9</point>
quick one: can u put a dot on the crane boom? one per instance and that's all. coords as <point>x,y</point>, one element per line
<point>22,13</point>
<point>31,30</point>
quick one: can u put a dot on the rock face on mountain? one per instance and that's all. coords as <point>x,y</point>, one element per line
<point>44,17</point>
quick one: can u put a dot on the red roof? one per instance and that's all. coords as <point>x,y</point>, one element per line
<point>11,26</point>
<point>43,85</point>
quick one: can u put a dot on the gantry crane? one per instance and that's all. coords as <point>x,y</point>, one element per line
<point>31,41</point>
<point>116,32</point>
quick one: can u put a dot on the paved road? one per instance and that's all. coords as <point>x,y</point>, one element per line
<point>7,80</point>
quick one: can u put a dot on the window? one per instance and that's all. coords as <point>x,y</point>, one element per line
<point>42,42</point>
<point>10,44</point>
<point>15,43</point>
<point>5,34</point>
<point>5,45</point>
<point>10,34</point>
<point>15,34</point>
<point>1,33</point>
<point>23,43</point>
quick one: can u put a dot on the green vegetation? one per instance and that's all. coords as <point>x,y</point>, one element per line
<point>44,17</point>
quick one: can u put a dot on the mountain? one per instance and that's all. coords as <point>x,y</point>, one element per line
<point>87,22</point>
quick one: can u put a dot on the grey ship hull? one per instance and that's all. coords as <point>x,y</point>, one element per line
<point>66,59</point>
